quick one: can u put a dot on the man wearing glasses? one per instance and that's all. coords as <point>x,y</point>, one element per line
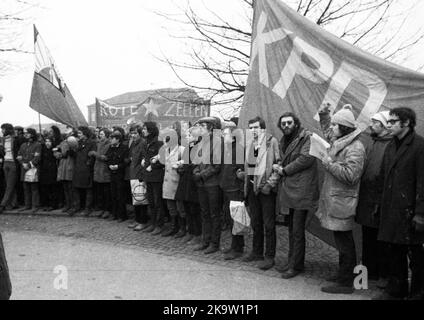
<point>402,206</point>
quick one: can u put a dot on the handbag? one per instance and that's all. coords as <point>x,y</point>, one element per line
<point>139,192</point>
<point>241,218</point>
<point>31,175</point>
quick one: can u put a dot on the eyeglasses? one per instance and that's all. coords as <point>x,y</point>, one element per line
<point>393,121</point>
<point>286,123</point>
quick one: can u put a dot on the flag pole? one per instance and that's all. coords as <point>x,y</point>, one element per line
<point>39,122</point>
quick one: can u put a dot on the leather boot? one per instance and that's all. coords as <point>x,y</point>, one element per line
<point>182,232</point>
<point>173,229</point>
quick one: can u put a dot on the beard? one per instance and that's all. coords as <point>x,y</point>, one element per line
<point>289,131</point>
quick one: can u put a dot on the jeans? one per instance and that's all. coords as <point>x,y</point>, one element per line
<point>210,199</point>
<point>103,196</point>
<point>79,194</point>
<point>156,203</point>
<point>141,214</point>
<point>237,241</point>
<point>68,192</point>
<point>32,196</point>
<point>345,244</point>
<point>374,254</point>
<point>11,180</point>
<point>398,270</point>
<point>118,196</point>
<point>297,220</point>
<point>50,195</point>
<point>262,216</point>
<point>192,214</point>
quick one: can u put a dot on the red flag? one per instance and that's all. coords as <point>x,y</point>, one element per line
<point>50,96</point>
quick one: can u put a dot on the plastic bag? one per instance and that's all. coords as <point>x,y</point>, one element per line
<point>241,218</point>
<point>139,193</point>
<point>31,175</point>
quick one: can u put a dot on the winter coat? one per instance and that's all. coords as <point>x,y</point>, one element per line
<point>153,147</point>
<point>101,171</point>
<point>65,170</point>
<point>369,190</point>
<point>207,157</point>
<point>84,164</point>
<point>187,189</point>
<point>403,191</point>
<point>5,284</point>
<point>31,154</point>
<point>298,186</point>
<point>130,144</point>
<point>171,177</point>
<point>228,181</point>
<point>117,155</point>
<point>48,167</point>
<point>339,192</point>
<point>136,153</point>
<point>268,152</point>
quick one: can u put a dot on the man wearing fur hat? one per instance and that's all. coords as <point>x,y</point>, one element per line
<point>374,255</point>
<point>343,169</point>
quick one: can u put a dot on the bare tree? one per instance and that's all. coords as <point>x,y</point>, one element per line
<point>220,47</point>
<point>14,19</point>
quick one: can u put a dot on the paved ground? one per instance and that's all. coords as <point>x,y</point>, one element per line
<point>106,260</point>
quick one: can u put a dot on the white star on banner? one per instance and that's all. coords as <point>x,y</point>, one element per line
<point>151,108</point>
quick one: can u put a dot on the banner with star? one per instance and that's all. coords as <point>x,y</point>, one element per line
<point>296,66</point>
<point>155,108</point>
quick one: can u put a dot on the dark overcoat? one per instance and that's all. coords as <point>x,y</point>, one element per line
<point>298,187</point>
<point>84,164</point>
<point>48,166</point>
<point>369,194</point>
<point>403,191</point>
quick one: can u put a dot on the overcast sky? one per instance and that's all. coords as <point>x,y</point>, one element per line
<point>106,47</point>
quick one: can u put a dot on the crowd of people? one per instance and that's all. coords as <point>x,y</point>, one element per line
<point>374,178</point>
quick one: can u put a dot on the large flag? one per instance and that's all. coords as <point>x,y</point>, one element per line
<point>295,65</point>
<point>50,96</point>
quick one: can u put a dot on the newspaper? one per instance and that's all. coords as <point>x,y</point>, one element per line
<point>318,147</point>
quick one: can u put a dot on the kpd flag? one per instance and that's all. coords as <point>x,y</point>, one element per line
<point>297,66</point>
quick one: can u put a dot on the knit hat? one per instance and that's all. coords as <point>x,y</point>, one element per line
<point>382,116</point>
<point>345,117</point>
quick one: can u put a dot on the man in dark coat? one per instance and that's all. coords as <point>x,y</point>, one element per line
<point>117,160</point>
<point>49,187</point>
<point>374,255</point>
<point>153,174</point>
<point>298,188</point>
<point>5,285</point>
<point>206,175</point>
<point>82,179</point>
<point>402,206</point>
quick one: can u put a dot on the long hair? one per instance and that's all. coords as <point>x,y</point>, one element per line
<point>152,128</point>
<point>57,136</point>
<point>8,129</point>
